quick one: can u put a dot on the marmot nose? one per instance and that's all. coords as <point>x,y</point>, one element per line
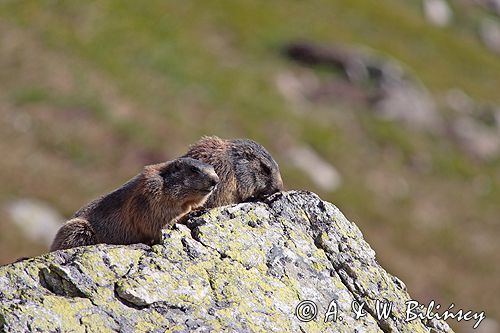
<point>214,181</point>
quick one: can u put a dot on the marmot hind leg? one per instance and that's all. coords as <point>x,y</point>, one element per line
<point>75,232</point>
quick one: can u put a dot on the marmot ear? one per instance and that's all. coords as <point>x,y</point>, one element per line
<point>170,169</point>
<point>266,168</point>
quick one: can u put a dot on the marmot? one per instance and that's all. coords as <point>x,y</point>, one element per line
<point>246,170</point>
<point>137,211</point>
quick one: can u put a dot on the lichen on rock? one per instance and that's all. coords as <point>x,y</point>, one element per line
<point>238,268</point>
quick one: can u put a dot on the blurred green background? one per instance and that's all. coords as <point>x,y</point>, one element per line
<point>90,91</point>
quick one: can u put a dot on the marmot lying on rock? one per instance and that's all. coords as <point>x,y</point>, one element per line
<point>137,211</point>
<point>163,193</point>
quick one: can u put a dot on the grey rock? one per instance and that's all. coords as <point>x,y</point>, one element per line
<point>409,103</point>
<point>474,126</point>
<point>322,173</point>
<point>459,101</point>
<point>476,138</point>
<point>363,76</point>
<point>489,32</point>
<point>239,268</point>
<point>437,12</point>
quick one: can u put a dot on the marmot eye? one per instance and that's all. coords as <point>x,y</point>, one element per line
<point>174,168</point>
<point>194,169</point>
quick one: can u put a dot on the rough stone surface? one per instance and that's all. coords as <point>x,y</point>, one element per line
<point>240,268</point>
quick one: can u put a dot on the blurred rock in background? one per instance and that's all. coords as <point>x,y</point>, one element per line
<point>489,32</point>
<point>38,220</point>
<point>437,12</point>
<point>475,127</point>
<point>322,173</point>
<point>362,76</point>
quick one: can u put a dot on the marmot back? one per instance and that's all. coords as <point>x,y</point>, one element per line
<point>246,169</point>
<point>137,211</point>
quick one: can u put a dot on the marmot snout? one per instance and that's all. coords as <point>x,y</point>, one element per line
<point>137,211</point>
<point>246,170</point>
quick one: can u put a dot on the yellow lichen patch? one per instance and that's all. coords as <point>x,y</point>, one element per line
<point>251,294</point>
<point>200,269</point>
<point>97,323</point>
<point>149,322</point>
<point>94,266</point>
<point>65,312</point>
<point>122,258</point>
<point>172,329</point>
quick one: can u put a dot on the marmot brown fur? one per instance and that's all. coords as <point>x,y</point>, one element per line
<point>137,211</point>
<point>246,170</point>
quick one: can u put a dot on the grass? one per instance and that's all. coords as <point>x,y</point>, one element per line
<point>108,86</point>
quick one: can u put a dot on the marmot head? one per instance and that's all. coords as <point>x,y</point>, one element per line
<point>246,169</point>
<point>187,179</point>
<point>257,172</point>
